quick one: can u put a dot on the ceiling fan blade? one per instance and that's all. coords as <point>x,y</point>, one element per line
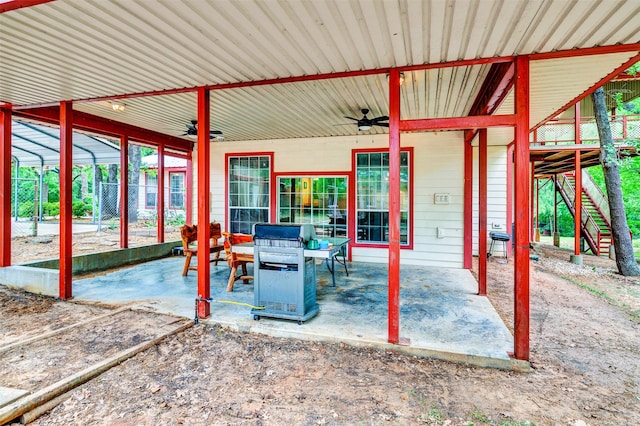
<point>215,132</point>
<point>381,124</point>
<point>381,118</point>
<point>351,118</point>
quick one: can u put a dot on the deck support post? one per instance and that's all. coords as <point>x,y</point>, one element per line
<point>124,191</point>
<point>482,213</point>
<point>509,212</point>
<point>204,160</point>
<point>160,193</point>
<point>394,207</point>
<point>577,204</point>
<point>521,234</point>
<point>5,186</point>
<point>468,206</point>
<point>66,191</point>
<point>189,189</point>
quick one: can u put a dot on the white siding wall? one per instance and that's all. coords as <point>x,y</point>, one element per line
<point>496,196</point>
<point>438,167</point>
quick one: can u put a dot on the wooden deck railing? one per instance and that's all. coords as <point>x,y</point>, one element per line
<point>562,132</point>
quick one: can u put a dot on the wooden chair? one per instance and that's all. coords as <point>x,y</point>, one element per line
<point>236,260</point>
<point>189,234</point>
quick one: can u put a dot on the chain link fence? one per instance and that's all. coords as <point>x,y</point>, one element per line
<point>24,207</point>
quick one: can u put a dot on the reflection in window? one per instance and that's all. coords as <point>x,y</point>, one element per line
<point>151,190</point>
<point>372,197</point>
<point>176,191</point>
<point>321,201</point>
<point>248,182</point>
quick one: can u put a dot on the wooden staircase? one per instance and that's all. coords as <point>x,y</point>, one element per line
<point>595,217</point>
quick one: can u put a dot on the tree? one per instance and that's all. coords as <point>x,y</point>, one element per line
<point>625,259</point>
<point>134,181</point>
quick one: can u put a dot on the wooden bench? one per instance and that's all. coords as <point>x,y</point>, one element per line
<point>189,234</point>
<point>236,260</point>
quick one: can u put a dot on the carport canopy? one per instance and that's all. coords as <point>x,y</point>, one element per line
<point>39,145</point>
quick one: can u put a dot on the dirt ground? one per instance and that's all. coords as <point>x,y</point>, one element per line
<point>585,357</point>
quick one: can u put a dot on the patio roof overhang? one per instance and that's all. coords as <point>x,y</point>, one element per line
<point>280,70</point>
<point>296,70</point>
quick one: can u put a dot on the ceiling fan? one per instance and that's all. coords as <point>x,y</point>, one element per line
<point>192,131</point>
<point>366,123</point>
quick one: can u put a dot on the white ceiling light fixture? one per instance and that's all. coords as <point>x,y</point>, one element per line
<point>117,106</point>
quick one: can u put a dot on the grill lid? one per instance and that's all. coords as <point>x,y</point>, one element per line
<point>279,231</point>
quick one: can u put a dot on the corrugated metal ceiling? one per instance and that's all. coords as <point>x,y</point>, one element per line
<point>87,49</point>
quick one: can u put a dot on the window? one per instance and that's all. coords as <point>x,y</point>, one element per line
<point>372,197</point>
<point>176,191</point>
<point>151,190</point>
<point>248,190</point>
<point>321,201</point>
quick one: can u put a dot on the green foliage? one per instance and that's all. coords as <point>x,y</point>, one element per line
<point>51,209</point>
<point>25,209</point>
<point>79,208</point>
<point>630,182</point>
<point>178,219</point>
<point>545,212</point>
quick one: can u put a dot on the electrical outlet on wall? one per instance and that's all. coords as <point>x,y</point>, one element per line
<point>496,226</point>
<point>440,232</point>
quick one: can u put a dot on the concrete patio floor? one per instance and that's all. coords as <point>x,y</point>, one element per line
<point>440,313</point>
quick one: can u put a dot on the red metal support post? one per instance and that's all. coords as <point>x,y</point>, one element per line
<point>160,192</point>
<point>5,186</point>
<point>482,213</point>
<point>189,190</point>
<point>394,207</point>
<point>555,204</point>
<point>66,191</point>
<point>509,212</point>
<point>521,186</point>
<point>124,192</point>
<point>468,206</point>
<point>204,160</point>
<point>577,217</point>
<point>532,181</point>
<point>577,204</point>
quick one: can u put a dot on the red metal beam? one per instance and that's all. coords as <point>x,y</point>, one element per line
<point>458,123</point>
<point>521,186</point>
<point>124,192</point>
<point>482,213</point>
<point>96,124</point>
<point>160,192</point>
<point>204,267</point>
<point>394,207</point>
<point>587,51</point>
<point>66,183</point>
<point>495,88</point>
<point>468,207</point>
<point>5,186</point>
<point>19,4</point>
